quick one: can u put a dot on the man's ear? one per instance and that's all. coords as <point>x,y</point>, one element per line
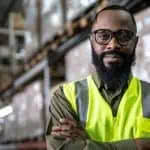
<point>90,38</point>
<point>135,45</point>
<point>90,41</point>
<point>136,42</point>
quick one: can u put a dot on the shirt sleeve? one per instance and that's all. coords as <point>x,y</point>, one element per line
<point>60,108</point>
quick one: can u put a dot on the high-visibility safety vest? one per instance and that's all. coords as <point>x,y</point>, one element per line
<point>133,115</point>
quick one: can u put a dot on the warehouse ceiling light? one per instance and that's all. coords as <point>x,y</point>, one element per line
<point>5,111</point>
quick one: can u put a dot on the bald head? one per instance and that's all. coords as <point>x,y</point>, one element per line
<point>116,13</point>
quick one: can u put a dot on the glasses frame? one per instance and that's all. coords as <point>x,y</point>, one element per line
<point>113,34</point>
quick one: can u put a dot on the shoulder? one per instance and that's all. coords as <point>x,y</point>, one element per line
<point>68,86</point>
<point>81,82</point>
<point>145,84</point>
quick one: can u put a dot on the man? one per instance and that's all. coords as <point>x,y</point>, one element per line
<point>109,109</point>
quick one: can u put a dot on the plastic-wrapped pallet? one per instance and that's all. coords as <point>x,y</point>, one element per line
<point>26,120</point>
<point>78,62</point>
<point>142,69</point>
<point>52,19</point>
<point>50,22</point>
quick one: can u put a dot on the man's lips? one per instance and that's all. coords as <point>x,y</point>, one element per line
<point>112,58</point>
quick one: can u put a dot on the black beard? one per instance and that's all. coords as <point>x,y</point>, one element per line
<point>117,74</point>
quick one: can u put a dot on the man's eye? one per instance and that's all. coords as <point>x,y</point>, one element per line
<point>103,36</point>
<point>125,36</point>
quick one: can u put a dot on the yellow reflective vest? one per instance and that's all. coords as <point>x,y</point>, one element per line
<point>133,115</point>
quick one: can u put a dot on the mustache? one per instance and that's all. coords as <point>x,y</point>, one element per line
<point>115,53</point>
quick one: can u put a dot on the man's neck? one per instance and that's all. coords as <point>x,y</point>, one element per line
<point>116,83</point>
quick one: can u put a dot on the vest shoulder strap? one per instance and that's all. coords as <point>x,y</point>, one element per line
<point>146,98</point>
<point>82,99</point>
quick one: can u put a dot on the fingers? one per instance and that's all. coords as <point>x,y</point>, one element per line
<point>68,122</point>
<point>67,129</point>
<point>62,132</point>
<point>62,128</point>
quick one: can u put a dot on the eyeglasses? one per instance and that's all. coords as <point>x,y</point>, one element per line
<point>104,36</point>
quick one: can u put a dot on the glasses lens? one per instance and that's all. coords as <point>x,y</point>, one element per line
<point>124,36</point>
<point>102,36</point>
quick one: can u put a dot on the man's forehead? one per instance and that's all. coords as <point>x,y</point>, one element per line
<point>113,19</point>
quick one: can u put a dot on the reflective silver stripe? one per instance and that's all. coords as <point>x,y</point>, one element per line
<point>82,100</point>
<point>146,98</point>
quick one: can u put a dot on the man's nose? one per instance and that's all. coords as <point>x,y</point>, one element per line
<point>113,44</point>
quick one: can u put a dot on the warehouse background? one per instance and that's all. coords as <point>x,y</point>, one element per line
<point>44,43</point>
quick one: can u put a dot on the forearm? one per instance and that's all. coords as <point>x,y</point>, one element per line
<point>143,144</point>
<point>60,144</point>
<point>120,145</point>
<point>138,144</point>
<point>80,144</point>
<point>53,144</point>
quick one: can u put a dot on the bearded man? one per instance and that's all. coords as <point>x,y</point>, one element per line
<point>110,108</point>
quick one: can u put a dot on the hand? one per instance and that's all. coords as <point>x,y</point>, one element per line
<point>143,144</point>
<point>68,129</point>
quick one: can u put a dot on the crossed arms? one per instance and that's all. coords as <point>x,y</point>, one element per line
<point>64,131</point>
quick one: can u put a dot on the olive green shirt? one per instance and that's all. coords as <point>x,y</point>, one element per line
<point>60,108</point>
